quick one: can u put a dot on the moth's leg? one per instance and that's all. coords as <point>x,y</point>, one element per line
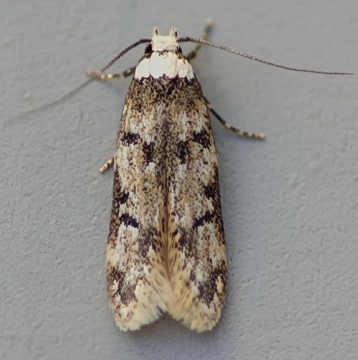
<point>106,77</point>
<point>207,30</point>
<point>107,165</point>
<point>238,132</point>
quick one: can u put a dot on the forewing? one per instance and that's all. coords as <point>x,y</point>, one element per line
<point>138,286</point>
<point>196,246</point>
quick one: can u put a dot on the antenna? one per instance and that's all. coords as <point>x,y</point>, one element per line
<point>251,57</point>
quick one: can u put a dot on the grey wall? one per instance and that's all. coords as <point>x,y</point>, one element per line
<point>290,203</point>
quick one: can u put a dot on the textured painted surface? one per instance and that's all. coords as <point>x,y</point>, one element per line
<point>289,203</point>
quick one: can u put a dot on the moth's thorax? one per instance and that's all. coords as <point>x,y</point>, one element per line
<point>164,60</point>
<point>164,64</point>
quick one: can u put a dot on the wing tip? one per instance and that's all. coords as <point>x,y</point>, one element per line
<point>198,318</point>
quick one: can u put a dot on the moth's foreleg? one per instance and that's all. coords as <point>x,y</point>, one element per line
<point>106,77</point>
<point>207,30</point>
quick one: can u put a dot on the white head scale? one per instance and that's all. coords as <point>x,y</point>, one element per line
<point>161,43</point>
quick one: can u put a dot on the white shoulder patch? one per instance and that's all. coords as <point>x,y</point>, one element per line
<point>164,60</point>
<point>164,64</point>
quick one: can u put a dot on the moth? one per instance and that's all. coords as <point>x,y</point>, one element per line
<point>166,248</point>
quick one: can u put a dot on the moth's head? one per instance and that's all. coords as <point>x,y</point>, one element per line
<point>164,42</point>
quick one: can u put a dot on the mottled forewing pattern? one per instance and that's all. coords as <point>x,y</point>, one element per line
<point>196,245</point>
<point>138,286</point>
<point>166,250</point>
